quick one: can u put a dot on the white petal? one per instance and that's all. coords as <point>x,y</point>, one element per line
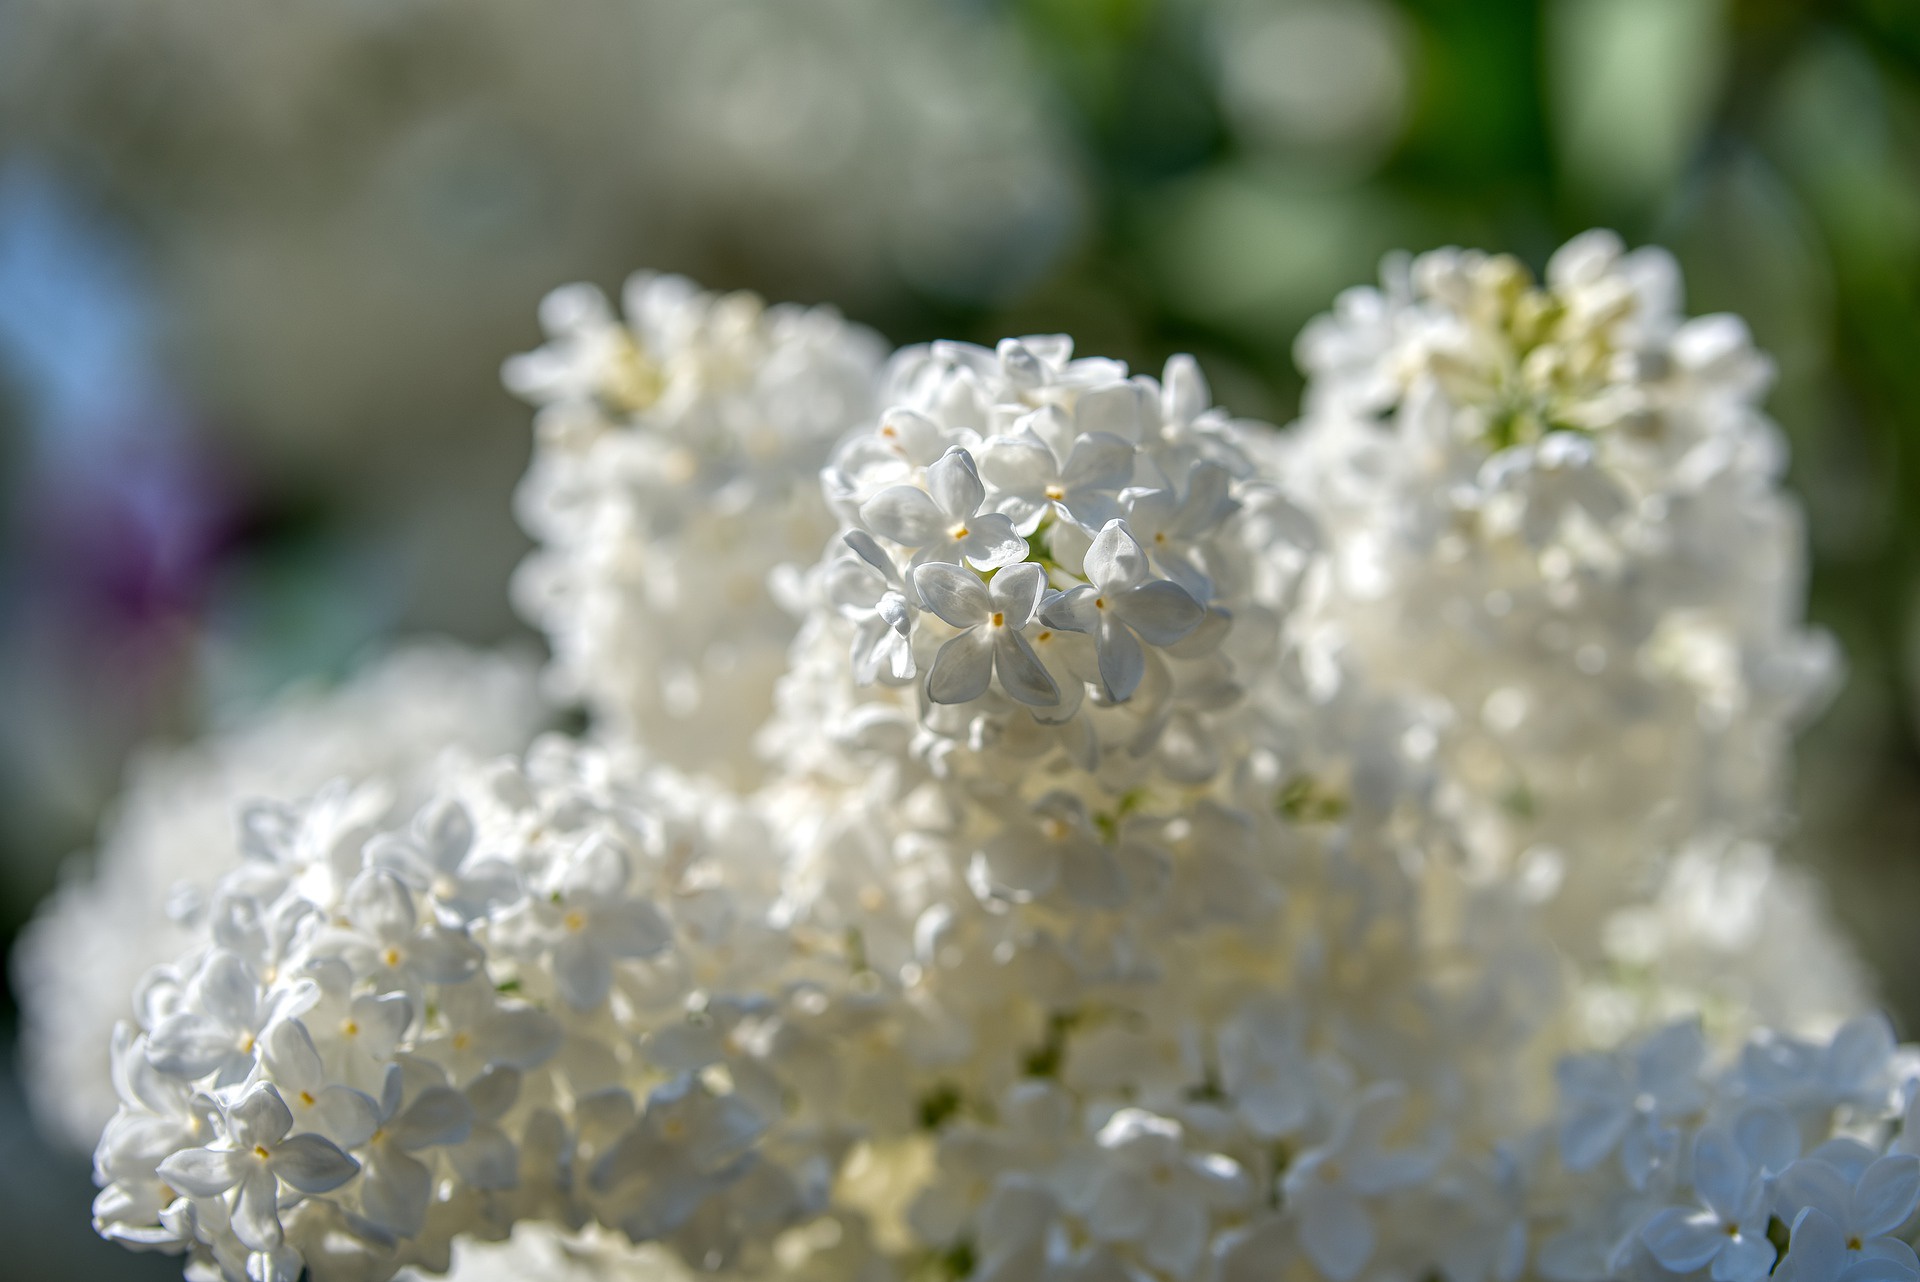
<point>189,1045</point>
<point>863,545</point>
<point>1100,461</point>
<point>1121,662</point>
<point>1019,463</point>
<point>1721,1174</point>
<point>1748,1258</point>
<point>992,542</point>
<point>1335,1231</point>
<point>962,668</point>
<point>256,1210</point>
<point>201,1172</point>
<point>1874,1269</point>
<point>955,485</point>
<point>485,884</point>
<point>905,514</point>
<point>442,956</point>
<point>493,1093</point>
<point>1161,612</point>
<point>290,1054</point>
<point>488,1161</point>
<point>1072,611</point>
<point>953,592</point>
<point>382,1020</point>
<point>1886,1195</point>
<point>1178,1235</point>
<point>344,1115</point>
<point>226,989</point>
<point>581,972</point>
<point>312,1163</point>
<point>518,1037</point>
<point>1683,1241</point>
<point>446,830</point>
<point>630,928</point>
<point>1021,674</point>
<point>1122,1207</point>
<point>1816,1184</point>
<point>259,1117</point>
<point>1115,561</point>
<point>379,902</point>
<point>1016,592</point>
<point>438,1115</point>
<point>1119,408</point>
<point>1184,394</point>
<point>1090,874</point>
<point>396,1191</point>
<point>1817,1250</point>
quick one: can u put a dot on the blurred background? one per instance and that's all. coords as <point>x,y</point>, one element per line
<point>259,264</point>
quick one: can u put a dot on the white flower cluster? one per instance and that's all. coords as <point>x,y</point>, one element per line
<point>170,837</point>
<point>1671,1167</point>
<point>1177,851</point>
<point>552,991</point>
<point>1041,546</point>
<point>1552,508</point>
<point>675,470</point>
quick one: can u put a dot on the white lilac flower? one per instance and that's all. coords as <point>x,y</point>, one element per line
<point>943,522</point>
<point>1120,607</point>
<point>386,1105</point>
<point>258,1155</point>
<point>171,836</point>
<point>1124,889</point>
<point>1843,1211</point>
<point>992,617</point>
<point>674,473</point>
<point>1552,506</point>
<point>1731,1173</point>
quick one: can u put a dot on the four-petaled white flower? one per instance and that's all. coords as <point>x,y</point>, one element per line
<point>991,616</point>
<point>1119,606</point>
<point>432,859</point>
<point>423,1114</point>
<point>1170,526</point>
<point>1045,468</point>
<point>944,522</point>
<point>1843,1204</point>
<point>259,1154</point>
<point>326,1107</point>
<point>1731,1174</point>
<point>590,919</point>
<point>220,1021</point>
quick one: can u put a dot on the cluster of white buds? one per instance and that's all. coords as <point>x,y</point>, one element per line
<point>674,472</point>
<point>1178,850</point>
